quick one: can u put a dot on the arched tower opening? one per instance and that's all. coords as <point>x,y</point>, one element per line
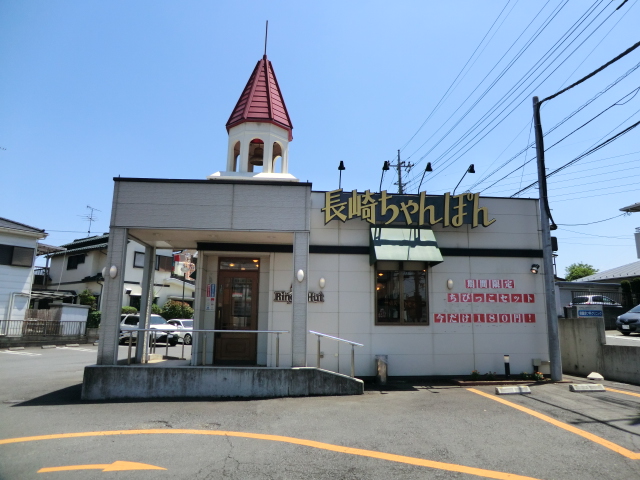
<point>256,155</point>
<point>276,162</point>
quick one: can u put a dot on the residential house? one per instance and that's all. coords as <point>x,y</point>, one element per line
<point>18,248</point>
<point>81,266</point>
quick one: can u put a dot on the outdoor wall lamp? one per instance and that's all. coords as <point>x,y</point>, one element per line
<point>507,367</point>
<point>113,271</point>
<point>300,275</point>
<point>471,169</point>
<point>450,284</point>
<point>322,282</point>
<point>341,167</point>
<point>534,268</point>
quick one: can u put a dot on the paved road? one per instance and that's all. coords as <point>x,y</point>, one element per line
<point>408,430</point>
<point>616,338</point>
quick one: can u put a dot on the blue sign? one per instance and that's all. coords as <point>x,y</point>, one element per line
<point>589,313</point>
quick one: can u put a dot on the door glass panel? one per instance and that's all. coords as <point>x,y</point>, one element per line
<point>244,264</point>
<point>241,303</point>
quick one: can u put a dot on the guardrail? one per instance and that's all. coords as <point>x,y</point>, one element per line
<point>155,333</point>
<point>353,344</point>
<point>47,328</point>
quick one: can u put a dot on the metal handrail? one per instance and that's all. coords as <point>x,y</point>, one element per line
<point>353,344</point>
<point>204,343</point>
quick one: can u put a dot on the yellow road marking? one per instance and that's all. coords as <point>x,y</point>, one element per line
<point>117,466</point>
<point>622,391</point>
<point>589,436</point>
<point>296,441</point>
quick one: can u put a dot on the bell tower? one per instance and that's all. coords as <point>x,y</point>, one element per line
<point>259,131</point>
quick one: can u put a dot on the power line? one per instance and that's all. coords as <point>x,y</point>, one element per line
<point>457,76</point>
<point>451,160</point>
<point>564,120</point>
<point>494,82</point>
<point>589,152</point>
<point>528,75</point>
<point>590,223</point>
<point>584,79</point>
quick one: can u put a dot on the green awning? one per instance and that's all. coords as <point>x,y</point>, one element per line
<point>404,245</point>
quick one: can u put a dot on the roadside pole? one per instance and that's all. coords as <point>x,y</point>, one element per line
<point>547,252</point>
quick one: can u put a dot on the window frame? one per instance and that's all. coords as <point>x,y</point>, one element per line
<point>402,268</point>
<point>8,255</point>
<point>74,260</point>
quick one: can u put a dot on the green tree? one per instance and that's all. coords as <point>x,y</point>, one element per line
<point>579,270</point>
<point>87,298</point>
<point>176,309</point>
<point>127,310</point>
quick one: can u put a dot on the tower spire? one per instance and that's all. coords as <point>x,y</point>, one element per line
<point>266,35</point>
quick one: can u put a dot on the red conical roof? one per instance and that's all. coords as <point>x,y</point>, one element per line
<point>261,100</point>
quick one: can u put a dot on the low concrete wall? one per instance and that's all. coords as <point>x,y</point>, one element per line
<point>109,382</point>
<point>582,342</point>
<point>39,340</point>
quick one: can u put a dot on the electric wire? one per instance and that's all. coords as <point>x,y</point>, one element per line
<point>583,155</point>
<point>455,79</point>
<point>500,75</point>
<point>569,134</point>
<point>523,79</point>
<point>598,44</point>
<point>590,223</point>
<point>564,120</point>
<point>450,161</point>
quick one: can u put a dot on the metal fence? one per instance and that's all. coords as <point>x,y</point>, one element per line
<point>42,328</point>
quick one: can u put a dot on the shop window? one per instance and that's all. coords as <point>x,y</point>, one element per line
<point>74,260</point>
<point>401,293</point>
<point>16,256</point>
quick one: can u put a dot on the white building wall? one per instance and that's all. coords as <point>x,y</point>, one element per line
<point>439,348</point>
<point>15,282</point>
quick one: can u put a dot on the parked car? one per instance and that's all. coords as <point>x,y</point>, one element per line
<point>185,329</point>
<point>594,300</point>
<point>131,321</point>
<point>629,322</point>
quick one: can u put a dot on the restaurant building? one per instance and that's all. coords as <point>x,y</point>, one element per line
<point>440,284</point>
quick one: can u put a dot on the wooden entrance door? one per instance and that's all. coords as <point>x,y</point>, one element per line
<point>237,310</point>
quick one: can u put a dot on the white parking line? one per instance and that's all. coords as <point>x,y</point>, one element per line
<point>78,349</point>
<point>28,354</point>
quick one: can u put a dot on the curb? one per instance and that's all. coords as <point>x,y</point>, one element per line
<point>48,346</point>
<point>16,348</point>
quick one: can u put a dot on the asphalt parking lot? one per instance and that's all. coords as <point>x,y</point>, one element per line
<point>410,429</point>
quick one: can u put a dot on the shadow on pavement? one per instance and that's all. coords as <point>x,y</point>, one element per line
<point>65,396</point>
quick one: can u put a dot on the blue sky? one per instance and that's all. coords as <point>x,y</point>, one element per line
<point>91,90</point>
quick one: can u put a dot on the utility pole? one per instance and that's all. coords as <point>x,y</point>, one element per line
<point>400,165</point>
<point>547,252</point>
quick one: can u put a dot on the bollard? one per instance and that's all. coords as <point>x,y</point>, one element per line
<point>353,361</point>
<point>204,349</point>
<point>130,342</point>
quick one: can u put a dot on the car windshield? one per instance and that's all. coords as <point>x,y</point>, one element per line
<point>187,323</point>
<point>635,309</point>
<point>157,320</point>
